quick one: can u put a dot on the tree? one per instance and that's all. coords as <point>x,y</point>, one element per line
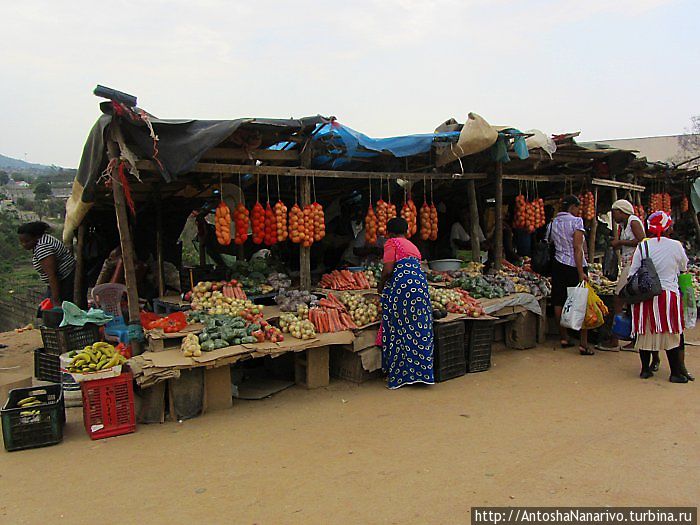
<point>42,191</point>
<point>24,204</point>
<point>4,178</point>
<point>690,144</point>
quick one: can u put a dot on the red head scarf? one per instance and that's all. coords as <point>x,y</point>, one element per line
<point>658,223</point>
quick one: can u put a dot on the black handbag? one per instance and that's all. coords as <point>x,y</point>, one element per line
<point>611,264</point>
<point>645,283</point>
<point>543,255</point>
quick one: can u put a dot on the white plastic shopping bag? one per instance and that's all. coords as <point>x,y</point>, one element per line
<point>574,312</point>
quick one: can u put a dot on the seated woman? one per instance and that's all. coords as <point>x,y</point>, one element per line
<point>407,318</point>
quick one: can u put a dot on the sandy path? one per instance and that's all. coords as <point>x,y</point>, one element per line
<point>542,427</point>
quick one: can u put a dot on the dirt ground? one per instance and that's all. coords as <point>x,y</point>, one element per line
<point>542,427</point>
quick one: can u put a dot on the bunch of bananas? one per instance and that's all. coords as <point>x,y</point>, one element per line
<point>28,402</point>
<point>98,356</point>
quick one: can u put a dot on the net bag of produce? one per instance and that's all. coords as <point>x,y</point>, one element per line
<point>574,312</point>
<point>690,309</point>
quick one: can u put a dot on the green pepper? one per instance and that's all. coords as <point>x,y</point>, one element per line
<point>252,327</point>
<point>208,346</point>
<point>204,336</point>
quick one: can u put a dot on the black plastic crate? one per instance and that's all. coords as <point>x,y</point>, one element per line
<point>448,357</point>
<point>62,340</point>
<point>47,366</point>
<point>478,338</point>
<point>36,426</point>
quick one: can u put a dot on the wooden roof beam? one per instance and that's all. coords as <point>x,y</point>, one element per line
<point>234,169</point>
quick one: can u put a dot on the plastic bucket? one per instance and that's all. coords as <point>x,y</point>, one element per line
<point>622,326</point>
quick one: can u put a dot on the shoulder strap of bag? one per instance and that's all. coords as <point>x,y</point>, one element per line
<point>645,245</point>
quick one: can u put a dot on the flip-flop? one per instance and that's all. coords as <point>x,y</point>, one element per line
<point>566,344</point>
<point>604,348</point>
<point>585,351</point>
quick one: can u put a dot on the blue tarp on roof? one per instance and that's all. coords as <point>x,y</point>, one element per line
<point>345,144</point>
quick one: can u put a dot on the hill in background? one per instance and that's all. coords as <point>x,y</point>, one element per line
<point>8,163</point>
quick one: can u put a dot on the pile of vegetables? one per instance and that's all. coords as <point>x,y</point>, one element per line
<point>190,346</point>
<point>331,316</point>
<point>344,280</point>
<point>247,327</point>
<point>599,282</point>
<point>478,287</point>
<point>292,300</point>
<point>215,303</point>
<point>587,205</point>
<point>210,294</point>
<point>363,310</point>
<point>660,202</point>
<point>279,281</point>
<point>241,221</point>
<point>297,325</point>
<point>223,224</point>
<point>371,279</point>
<point>454,300</point>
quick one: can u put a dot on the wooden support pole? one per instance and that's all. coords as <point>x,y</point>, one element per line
<point>594,227</point>
<point>498,233</point>
<point>616,234</point>
<point>159,245</point>
<point>474,214</point>
<point>305,253</point>
<point>79,292</point>
<point>127,245</point>
<point>696,224</point>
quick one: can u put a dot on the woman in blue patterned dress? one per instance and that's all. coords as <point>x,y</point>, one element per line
<point>407,317</point>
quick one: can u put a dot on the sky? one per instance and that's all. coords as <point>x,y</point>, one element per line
<point>610,69</point>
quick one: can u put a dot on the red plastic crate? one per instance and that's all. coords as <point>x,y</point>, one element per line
<point>108,406</point>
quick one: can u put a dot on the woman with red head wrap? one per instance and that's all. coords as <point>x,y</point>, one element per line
<point>657,323</point>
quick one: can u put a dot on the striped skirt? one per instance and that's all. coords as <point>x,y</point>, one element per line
<point>662,314</point>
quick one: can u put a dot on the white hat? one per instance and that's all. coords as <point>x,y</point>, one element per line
<point>624,206</point>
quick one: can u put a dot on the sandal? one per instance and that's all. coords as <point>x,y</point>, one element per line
<point>585,351</point>
<point>566,344</point>
<point>604,348</point>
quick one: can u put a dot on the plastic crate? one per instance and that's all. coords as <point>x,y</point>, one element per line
<point>47,366</point>
<point>44,426</point>
<point>108,406</point>
<point>448,357</point>
<point>478,338</point>
<point>62,340</point>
